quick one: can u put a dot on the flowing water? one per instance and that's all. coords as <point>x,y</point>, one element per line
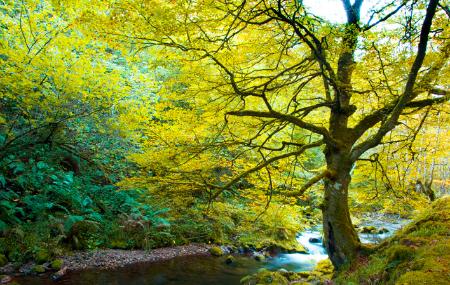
<point>199,270</point>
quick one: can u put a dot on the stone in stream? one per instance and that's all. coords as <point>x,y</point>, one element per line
<point>259,257</point>
<point>368,230</point>
<point>383,230</point>
<point>315,240</point>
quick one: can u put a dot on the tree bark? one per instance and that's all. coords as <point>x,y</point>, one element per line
<point>340,238</point>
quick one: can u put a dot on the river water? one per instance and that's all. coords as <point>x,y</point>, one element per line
<point>199,270</point>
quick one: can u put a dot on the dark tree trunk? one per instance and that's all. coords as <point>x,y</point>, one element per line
<point>340,238</point>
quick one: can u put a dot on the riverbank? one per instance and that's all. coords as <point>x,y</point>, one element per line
<point>110,258</point>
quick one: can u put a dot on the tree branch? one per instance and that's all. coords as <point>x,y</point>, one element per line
<point>263,165</point>
<point>308,184</point>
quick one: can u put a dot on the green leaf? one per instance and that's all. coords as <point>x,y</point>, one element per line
<point>2,180</point>
<point>71,221</point>
<point>41,165</point>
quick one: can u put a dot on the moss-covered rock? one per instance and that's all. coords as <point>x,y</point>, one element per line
<point>216,251</point>
<point>3,260</point>
<point>229,259</point>
<point>56,264</point>
<point>265,277</point>
<point>368,230</point>
<point>259,257</point>
<point>38,268</point>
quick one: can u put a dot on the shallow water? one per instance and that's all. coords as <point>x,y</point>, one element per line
<point>199,270</point>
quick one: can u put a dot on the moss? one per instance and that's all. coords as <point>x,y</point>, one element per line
<point>56,264</point>
<point>399,253</point>
<point>38,269</point>
<point>119,244</point>
<point>3,260</point>
<point>41,256</point>
<point>418,254</point>
<point>229,259</point>
<point>265,277</point>
<point>259,257</point>
<point>216,251</point>
<point>421,277</point>
<point>322,272</point>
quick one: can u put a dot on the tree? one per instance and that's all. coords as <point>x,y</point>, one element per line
<point>287,81</point>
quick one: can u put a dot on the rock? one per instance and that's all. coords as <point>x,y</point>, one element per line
<point>5,279</point>
<point>3,260</point>
<point>57,264</point>
<point>368,230</point>
<point>282,270</point>
<point>315,240</point>
<point>216,251</point>
<point>60,273</point>
<point>39,269</point>
<point>229,259</point>
<point>259,257</point>
<point>383,231</point>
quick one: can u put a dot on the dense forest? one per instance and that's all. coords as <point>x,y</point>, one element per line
<point>143,124</point>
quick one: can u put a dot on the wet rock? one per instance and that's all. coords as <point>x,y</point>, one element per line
<point>368,230</point>
<point>259,257</point>
<point>383,231</point>
<point>59,274</point>
<point>216,251</point>
<point>315,240</point>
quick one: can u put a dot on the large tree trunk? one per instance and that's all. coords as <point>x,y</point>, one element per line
<point>340,238</point>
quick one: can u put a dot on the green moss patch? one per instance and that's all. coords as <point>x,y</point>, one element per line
<point>418,254</point>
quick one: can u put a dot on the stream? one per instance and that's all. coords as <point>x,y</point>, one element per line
<point>199,270</point>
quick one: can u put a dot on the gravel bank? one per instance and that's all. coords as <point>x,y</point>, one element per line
<point>112,258</point>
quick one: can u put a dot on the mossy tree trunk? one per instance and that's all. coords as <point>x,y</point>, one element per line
<point>340,238</point>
